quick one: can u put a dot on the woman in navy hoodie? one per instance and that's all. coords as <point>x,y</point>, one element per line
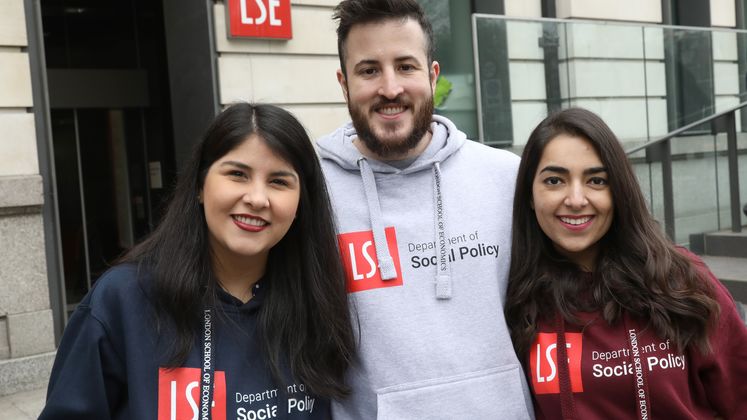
<point>610,318</point>
<point>234,307</point>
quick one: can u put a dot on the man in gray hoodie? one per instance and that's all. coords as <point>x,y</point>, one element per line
<point>424,229</point>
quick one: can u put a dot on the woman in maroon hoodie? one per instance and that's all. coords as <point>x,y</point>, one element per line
<point>610,318</point>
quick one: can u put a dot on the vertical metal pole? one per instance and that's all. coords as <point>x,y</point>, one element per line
<point>82,200</point>
<point>193,71</point>
<point>550,43</point>
<point>548,9</point>
<point>742,58</point>
<point>493,7</point>
<point>670,66</point>
<point>731,150</point>
<point>668,190</point>
<point>45,150</point>
<point>146,168</point>
<point>667,12</point>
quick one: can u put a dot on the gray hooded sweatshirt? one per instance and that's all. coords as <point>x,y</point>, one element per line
<point>426,251</point>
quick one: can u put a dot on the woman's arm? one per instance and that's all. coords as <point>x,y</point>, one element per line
<point>723,376</point>
<point>88,378</point>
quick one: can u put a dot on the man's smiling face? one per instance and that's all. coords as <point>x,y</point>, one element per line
<point>389,85</point>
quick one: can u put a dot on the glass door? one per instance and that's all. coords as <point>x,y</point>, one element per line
<point>102,185</point>
<point>108,85</point>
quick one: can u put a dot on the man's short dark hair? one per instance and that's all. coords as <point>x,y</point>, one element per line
<point>355,12</point>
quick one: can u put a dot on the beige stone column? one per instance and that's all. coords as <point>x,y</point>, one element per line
<point>26,332</point>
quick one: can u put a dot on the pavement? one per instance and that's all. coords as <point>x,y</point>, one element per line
<point>25,405</point>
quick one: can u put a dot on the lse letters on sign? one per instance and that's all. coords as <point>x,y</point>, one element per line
<point>259,19</point>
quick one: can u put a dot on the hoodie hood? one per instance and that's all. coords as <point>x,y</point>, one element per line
<point>231,304</point>
<point>339,148</point>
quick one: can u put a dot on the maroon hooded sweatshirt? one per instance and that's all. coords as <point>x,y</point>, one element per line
<point>626,371</point>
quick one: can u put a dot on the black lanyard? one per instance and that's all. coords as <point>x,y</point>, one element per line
<point>208,367</point>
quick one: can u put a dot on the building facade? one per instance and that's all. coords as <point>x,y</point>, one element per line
<point>100,102</point>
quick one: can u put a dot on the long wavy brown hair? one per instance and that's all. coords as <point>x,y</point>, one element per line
<point>638,270</point>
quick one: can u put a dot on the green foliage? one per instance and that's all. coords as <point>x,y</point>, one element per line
<point>443,89</point>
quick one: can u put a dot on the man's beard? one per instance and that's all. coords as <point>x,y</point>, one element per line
<point>392,147</point>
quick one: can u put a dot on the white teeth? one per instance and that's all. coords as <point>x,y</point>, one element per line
<point>575,221</point>
<point>392,110</point>
<point>250,221</point>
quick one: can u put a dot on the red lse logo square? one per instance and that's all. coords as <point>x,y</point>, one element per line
<point>543,363</point>
<point>360,262</point>
<point>179,394</point>
<point>259,19</point>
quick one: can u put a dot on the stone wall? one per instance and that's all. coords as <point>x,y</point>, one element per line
<point>298,74</point>
<point>26,332</point>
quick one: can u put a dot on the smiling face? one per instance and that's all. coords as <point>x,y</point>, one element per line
<point>571,198</point>
<point>250,197</point>
<point>389,86</point>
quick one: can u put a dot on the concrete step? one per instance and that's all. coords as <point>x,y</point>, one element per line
<point>723,244</point>
<point>732,272</point>
<point>742,309</point>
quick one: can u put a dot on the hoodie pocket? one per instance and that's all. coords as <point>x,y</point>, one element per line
<point>486,394</point>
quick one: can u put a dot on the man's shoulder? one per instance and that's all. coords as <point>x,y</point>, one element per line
<point>333,149</point>
<point>478,153</point>
<point>472,148</point>
<point>494,152</point>
<point>334,139</point>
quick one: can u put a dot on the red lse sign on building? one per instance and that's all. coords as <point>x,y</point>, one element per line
<point>259,19</point>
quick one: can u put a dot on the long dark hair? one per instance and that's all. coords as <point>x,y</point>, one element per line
<point>304,320</point>
<point>638,269</point>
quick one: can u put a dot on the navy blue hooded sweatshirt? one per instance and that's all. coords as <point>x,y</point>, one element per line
<point>110,363</point>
